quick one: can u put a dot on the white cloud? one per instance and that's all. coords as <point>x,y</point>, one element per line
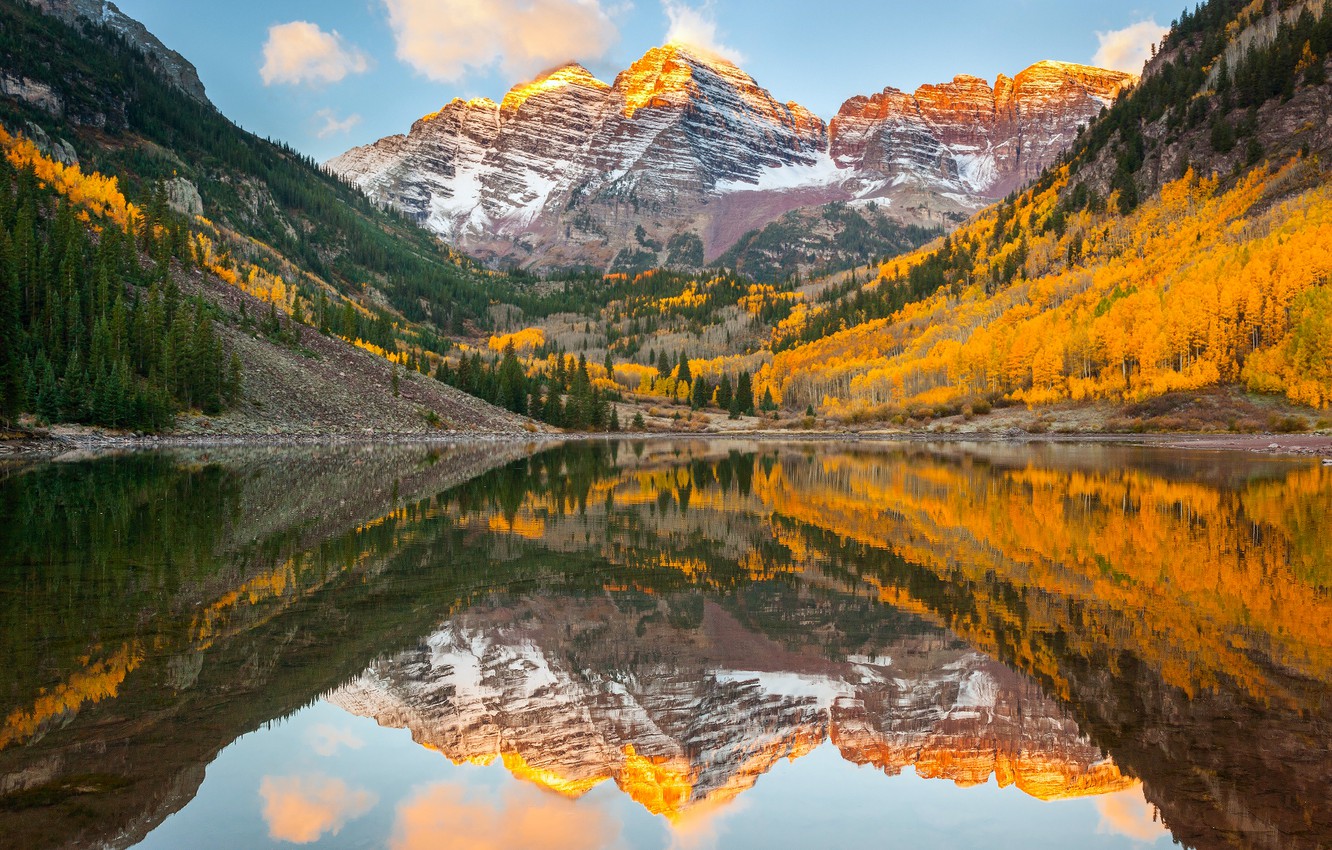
<point>697,28</point>
<point>1130,48</point>
<point>300,52</point>
<point>447,39</point>
<point>335,126</point>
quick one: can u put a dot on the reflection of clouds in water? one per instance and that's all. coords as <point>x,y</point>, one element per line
<point>325,739</point>
<point>445,816</point>
<point>699,827</point>
<point>1128,813</point>
<point>300,809</point>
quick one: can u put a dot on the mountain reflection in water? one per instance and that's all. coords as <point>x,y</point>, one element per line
<point>670,621</point>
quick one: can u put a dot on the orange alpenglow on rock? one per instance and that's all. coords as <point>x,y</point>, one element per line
<point>571,74</point>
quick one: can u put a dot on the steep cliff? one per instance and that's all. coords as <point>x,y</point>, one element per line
<point>178,70</point>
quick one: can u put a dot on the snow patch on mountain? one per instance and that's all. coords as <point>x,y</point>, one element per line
<point>823,171</point>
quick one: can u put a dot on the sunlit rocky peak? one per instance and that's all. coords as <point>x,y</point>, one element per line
<point>697,149</point>
<point>571,74</point>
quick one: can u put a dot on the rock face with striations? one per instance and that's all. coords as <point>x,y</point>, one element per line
<point>968,138</point>
<point>568,170</point>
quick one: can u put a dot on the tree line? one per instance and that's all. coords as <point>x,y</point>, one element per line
<point>564,396</point>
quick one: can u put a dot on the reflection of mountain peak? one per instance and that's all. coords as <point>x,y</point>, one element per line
<point>571,694</point>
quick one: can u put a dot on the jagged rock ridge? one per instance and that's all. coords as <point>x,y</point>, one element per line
<point>174,67</point>
<point>569,170</point>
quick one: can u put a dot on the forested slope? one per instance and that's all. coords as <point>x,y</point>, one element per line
<point>1181,244</point>
<point>273,205</point>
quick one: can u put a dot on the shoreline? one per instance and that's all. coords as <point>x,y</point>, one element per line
<point>1301,445</point>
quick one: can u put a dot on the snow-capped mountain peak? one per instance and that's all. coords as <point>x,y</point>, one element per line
<point>570,170</point>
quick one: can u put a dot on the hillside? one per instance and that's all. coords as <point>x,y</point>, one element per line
<point>114,315</point>
<point>86,92</point>
<point>1180,245</point>
<point>166,270</point>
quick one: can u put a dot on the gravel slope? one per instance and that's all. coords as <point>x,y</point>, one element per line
<point>326,387</point>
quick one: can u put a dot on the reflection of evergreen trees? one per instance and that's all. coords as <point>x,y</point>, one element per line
<point>563,476</point>
<point>100,545</point>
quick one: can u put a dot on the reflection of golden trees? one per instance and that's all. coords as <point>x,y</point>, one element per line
<point>99,679</point>
<point>1207,584</point>
<point>1167,602</point>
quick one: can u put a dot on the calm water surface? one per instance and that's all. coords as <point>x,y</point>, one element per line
<point>693,645</point>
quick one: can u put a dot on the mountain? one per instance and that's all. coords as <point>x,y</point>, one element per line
<point>685,153</point>
<point>950,146</point>
<point>170,64</point>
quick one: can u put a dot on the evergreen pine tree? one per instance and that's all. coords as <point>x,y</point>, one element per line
<point>552,411</point>
<point>11,374</point>
<point>48,392</point>
<point>347,326</point>
<point>702,393</point>
<point>512,383</point>
<point>744,395</point>
<point>725,392</point>
<point>685,375</point>
<point>235,380</point>
<point>297,319</point>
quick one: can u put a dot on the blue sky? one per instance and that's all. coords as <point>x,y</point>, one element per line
<point>324,75</point>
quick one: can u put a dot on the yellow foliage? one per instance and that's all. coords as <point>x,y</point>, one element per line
<point>1180,295</point>
<point>90,193</point>
<point>526,340</point>
<point>98,680</point>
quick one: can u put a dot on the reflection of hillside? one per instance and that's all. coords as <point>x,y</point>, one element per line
<point>159,606</point>
<point>1236,578</point>
<point>685,709</point>
<point>625,605</point>
<point>1184,619</point>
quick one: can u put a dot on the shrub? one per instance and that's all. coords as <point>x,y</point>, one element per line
<point>1286,424</point>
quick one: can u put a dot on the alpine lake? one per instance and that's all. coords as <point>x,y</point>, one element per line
<point>656,644</point>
